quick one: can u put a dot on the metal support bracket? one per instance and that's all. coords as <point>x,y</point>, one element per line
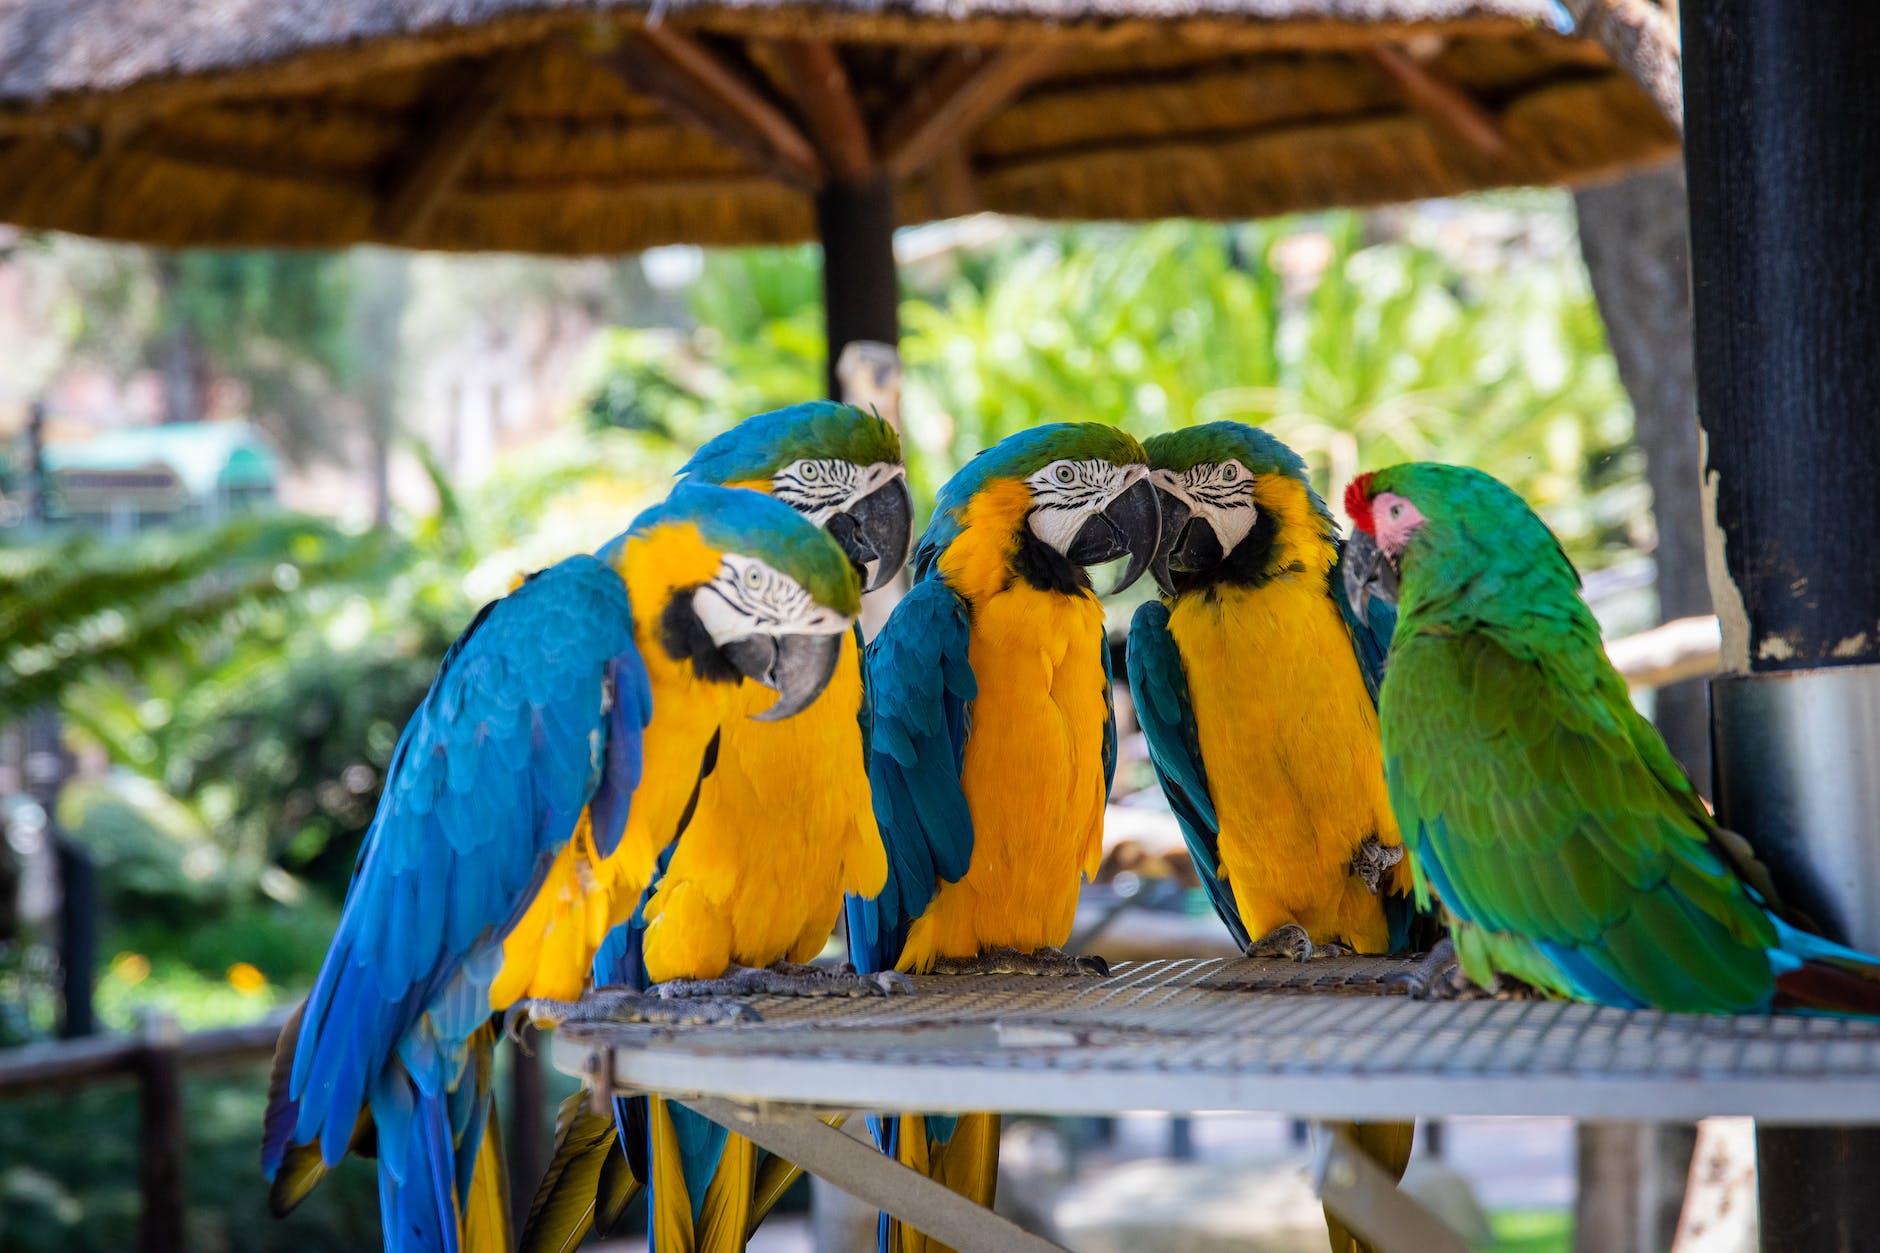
<point>861,1171</point>
<point>1366,1199</point>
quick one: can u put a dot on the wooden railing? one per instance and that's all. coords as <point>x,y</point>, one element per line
<point>156,1058</point>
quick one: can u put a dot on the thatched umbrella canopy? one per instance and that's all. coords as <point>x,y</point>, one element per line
<point>603,126</point>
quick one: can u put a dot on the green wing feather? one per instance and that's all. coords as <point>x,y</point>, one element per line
<point>1550,820</point>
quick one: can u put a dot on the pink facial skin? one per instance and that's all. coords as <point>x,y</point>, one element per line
<point>1395,518</point>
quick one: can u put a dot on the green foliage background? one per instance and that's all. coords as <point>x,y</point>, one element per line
<point>248,683</point>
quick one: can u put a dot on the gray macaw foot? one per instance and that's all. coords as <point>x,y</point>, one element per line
<point>1438,976</point>
<point>1288,940</point>
<point>1011,961</point>
<point>622,1005</point>
<point>1430,977</point>
<point>1373,860</point>
<point>788,979</point>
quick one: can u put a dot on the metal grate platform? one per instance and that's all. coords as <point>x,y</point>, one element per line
<point>1326,1039</point>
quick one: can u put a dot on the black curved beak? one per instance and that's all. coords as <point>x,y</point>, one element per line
<point>1367,572</point>
<point>876,531</point>
<point>1130,524</point>
<point>796,667</point>
<point>1175,516</point>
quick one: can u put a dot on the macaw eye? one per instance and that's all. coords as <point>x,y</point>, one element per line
<point>753,578</point>
<point>1065,474</point>
<point>1230,471</point>
<point>811,472</point>
<point>1396,511</point>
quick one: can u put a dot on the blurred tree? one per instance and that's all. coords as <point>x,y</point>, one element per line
<point>276,321</point>
<point>1336,344</point>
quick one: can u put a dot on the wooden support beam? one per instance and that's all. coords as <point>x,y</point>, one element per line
<point>860,1170</point>
<point>821,86</point>
<point>1431,94</point>
<point>967,89</point>
<point>689,77</point>
<point>435,160</point>
<point>951,183</point>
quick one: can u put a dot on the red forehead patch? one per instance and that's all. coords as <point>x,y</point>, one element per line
<point>1358,502</point>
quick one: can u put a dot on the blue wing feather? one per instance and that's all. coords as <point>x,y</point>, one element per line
<point>920,687</point>
<point>486,783</point>
<point>1109,719</point>
<point>1159,686</point>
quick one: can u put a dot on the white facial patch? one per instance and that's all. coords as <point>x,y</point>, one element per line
<point>1222,492</point>
<point>747,597</point>
<point>1066,494</point>
<point>818,487</point>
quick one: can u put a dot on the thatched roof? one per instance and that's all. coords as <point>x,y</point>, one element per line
<point>611,125</point>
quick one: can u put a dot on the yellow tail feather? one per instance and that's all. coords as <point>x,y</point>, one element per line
<point>968,1163</point>
<point>485,1225</point>
<point>670,1222</point>
<point>1386,1143</point>
<point>724,1222</point>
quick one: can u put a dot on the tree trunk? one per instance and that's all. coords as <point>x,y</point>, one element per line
<point>380,291</point>
<point>1633,235</point>
<point>181,358</point>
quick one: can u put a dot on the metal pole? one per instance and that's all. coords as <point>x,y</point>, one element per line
<point>1781,125</point>
<point>861,292</point>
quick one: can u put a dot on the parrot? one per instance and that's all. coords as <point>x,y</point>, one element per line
<point>1541,809</point>
<point>754,883</point>
<point>539,745</point>
<point>993,740</point>
<point>1256,689</point>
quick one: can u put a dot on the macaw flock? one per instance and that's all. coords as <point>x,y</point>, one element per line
<point>647,783</point>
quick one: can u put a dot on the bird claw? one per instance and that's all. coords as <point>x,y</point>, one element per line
<point>1012,961</point>
<point>1373,860</point>
<point>1288,940</point>
<point>617,1005</point>
<point>1438,976</point>
<point>789,979</point>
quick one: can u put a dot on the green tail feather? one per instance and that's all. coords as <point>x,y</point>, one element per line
<point>588,1184</point>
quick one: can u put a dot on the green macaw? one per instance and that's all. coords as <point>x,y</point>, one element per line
<point>1538,805</point>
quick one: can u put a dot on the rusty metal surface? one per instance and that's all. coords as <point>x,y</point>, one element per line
<point>1325,1039</point>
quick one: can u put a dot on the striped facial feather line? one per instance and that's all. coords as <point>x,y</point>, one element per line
<point>748,597</point>
<point>1221,492</point>
<point>1066,492</point>
<point>816,487</point>
<point>1223,484</point>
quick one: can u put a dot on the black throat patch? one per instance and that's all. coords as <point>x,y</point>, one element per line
<point>1044,567</point>
<point>684,638</point>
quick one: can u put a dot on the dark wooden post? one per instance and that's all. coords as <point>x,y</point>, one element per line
<point>861,292</point>
<point>1782,124</point>
<point>78,937</point>
<point>161,1141</point>
<point>528,1146</point>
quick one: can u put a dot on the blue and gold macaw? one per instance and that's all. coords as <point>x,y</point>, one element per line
<point>994,738</point>
<point>753,885</point>
<point>527,801</point>
<point>1256,688</point>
